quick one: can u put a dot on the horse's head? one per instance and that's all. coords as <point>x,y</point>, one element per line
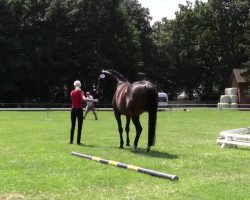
<point>108,80</point>
<point>105,81</point>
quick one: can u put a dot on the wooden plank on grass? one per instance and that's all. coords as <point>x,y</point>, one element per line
<point>233,135</point>
<point>241,143</point>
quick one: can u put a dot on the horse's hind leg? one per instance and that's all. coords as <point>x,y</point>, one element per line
<point>138,128</point>
<point>127,130</point>
<point>120,129</point>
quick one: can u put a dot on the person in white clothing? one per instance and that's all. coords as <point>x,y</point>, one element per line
<point>90,107</point>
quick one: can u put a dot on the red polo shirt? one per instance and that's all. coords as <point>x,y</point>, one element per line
<point>76,98</point>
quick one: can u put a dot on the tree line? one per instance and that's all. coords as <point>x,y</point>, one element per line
<point>47,44</point>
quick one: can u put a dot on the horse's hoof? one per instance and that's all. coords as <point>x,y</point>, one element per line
<point>128,145</point>
<point>147,149</point>
<point>121,147</point>
<point>134,149</point>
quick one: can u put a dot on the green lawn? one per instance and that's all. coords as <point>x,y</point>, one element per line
<point>35,161</point>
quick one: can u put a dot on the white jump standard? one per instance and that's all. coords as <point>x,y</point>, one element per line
<point>235,137</point>
<point>125,166</point>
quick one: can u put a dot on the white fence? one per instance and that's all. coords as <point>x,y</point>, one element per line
<point>100,107</point>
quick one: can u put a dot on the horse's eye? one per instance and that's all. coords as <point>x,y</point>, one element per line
<point>102,76</point>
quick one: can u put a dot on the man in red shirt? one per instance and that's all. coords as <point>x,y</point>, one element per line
<point>77,98</point>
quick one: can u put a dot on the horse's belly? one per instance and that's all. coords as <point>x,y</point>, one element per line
<point>135,109</point>
<point>128,111</point>
<point>123,110</point>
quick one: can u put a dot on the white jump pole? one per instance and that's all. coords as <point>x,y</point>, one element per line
<point>126,166</point>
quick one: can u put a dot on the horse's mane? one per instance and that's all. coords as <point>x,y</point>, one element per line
<point>116,74</point>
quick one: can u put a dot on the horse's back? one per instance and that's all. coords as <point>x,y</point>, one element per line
<point>142,96</point>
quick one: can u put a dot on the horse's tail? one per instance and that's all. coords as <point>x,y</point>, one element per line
<point>152,104</point>
<point>152,118</point>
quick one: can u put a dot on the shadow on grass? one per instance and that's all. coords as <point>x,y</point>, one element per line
<point>239,148</point>
<point>152,153</point>
<point>156,154</point>
<point>87,145</point>
<point>140,151</point>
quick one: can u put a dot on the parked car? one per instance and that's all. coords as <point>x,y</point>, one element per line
<point>162,99</point>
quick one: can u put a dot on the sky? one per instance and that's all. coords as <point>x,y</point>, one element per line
<point>163,8</point>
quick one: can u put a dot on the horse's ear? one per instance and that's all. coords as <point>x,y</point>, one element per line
<point>104,71</point>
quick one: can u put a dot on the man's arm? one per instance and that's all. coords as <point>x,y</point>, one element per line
<point>89,100</point>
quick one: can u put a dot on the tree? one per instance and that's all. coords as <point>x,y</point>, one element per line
<point>203,44</point>
<point>229,17</point>
<point>13,66</point>
<point>246,46</point>
<point>163,66</point>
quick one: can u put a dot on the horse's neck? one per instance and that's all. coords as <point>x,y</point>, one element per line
<point>119,82</point>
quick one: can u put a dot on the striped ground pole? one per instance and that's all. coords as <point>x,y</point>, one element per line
<point>125,166</point>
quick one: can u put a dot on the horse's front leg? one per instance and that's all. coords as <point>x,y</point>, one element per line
<point>138,128</point>
<point>120,129</point>
<point>127,130</point>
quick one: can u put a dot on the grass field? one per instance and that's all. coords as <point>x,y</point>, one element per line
<point>35,161</point>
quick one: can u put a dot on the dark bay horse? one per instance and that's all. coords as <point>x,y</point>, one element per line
<point>131,100</point>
